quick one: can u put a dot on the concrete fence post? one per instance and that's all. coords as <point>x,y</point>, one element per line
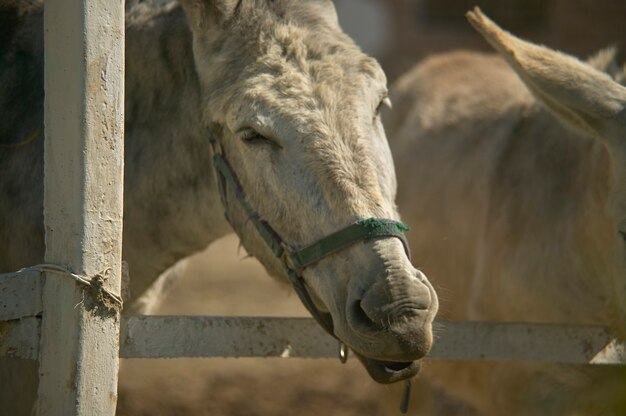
<point>84,98</point>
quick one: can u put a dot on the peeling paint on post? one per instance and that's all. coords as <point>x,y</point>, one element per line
<point>84,97</point>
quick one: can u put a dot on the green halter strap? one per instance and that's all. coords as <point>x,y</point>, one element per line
<point>295,261</point>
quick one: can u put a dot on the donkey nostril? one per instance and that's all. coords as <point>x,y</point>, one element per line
<point>361,317</point>
<point>387,304</point>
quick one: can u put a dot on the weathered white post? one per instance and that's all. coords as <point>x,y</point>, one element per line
<point>84,97</point>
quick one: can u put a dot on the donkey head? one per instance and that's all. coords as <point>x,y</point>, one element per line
<point>294,105</point>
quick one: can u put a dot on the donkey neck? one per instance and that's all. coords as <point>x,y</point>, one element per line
<point>172,206</point>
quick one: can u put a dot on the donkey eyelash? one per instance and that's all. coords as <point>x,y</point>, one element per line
<point>252,137</point>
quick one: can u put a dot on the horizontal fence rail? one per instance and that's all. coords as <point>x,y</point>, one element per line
<point>238,337</point>
<point>203,336</point>
<point>20,338</point>
<point>20,294</point>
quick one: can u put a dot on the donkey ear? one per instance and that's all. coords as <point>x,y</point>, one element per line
<point>203,14</point>
<point>580,95</point>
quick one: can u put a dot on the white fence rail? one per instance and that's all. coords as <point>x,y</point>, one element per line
<point>238,337</point>
<point>202,336</point>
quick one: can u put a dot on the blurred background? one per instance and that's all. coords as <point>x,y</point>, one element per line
<point>401,32</point>
<point>223,281</point>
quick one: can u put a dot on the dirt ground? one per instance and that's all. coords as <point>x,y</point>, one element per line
<point>223,282</point>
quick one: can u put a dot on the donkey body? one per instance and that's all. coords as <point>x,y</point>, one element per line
<point>519,187</point>
<point>295,107</point>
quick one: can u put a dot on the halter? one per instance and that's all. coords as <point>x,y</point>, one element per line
<point>295,261</point>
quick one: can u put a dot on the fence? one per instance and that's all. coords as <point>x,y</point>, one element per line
<point>70,321</point>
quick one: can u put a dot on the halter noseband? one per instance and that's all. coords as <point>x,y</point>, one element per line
<point>295,261</point>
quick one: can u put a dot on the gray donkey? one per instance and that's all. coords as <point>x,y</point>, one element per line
<point>514,167</point>
<point>291,108</point>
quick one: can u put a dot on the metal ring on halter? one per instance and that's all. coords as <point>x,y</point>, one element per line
<point>285,257</point>
<point>344,350</point>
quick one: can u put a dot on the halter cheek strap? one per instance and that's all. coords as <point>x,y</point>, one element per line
<point>295,261</point>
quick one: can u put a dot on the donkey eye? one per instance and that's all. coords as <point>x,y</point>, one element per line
<point>252,137</point>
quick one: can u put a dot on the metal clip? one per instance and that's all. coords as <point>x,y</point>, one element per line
<point>216,147</point>
<point>344,350</point>
<point>285,256</point>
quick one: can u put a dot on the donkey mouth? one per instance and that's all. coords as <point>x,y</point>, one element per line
<point>386,372</point>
